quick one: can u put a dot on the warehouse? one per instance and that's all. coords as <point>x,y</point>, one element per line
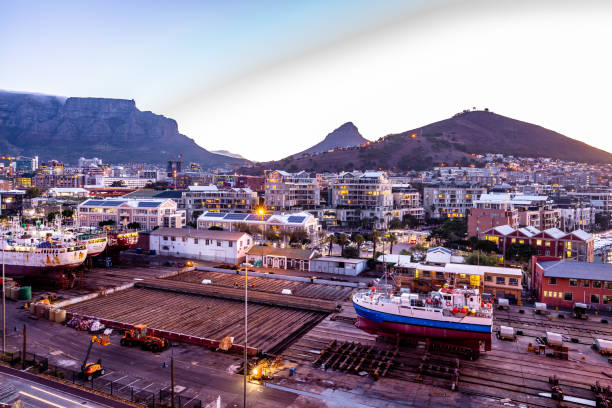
<point>281,258</point>
<point>337,265</point>
<point>207,245</point>
<point>564,282</point>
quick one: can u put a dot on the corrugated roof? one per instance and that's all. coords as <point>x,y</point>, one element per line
<point>292,253</point>
<point>555,233</point>
<point>504,229</point>
<point>339,259</point>
<point>576,270</point>
<point>583,235</point>
<point>196,233</point>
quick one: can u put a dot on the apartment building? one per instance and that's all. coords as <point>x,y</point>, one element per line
<point>47,181</point>
<point>291,191</point>
<point>577,245</point>
<point>577,218</point>
<point>601,200</point>
<point>450,201</point>
<point>491,210</point>
<point>407,198</point>
<point>149,213</point>
<point>212,198</point>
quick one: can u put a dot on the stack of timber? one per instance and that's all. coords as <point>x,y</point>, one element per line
<point>356,358</point>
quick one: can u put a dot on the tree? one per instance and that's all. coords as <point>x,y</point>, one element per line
<point>410,221</point>
<point>271,235</point>
<point>196,214</point>
<point>358,239</point>
<point>392,240</point>
<point>395,223</point>
<point>33,192</point>
<point>134,225</point>
<point>118,183</point>
<point>67,212</point>
<point>602,221</point>
<point>330,240</point>
<point>520,252</point>
<point>374,237</point>
<point>243,227</point>
<point>343,241</point>
<point>299,235</point>
<point>350,252</point>
<point>158,185</point>
<point>105,223</point>
<point>476,258</point>
<point>51,216</point>
<point>486,246</point>
<point>405,252</point>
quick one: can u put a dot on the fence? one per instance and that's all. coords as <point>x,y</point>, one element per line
<point>152,399</point>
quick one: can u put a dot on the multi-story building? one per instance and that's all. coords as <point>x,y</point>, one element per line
<point>577,245</point>
<point>211,198</point>
<point>51,167</point>
<point>11,202</point>
<point>450,201</point>
<point>577,218</point>
<point>46,181</point>
<point>491,210</point>
<point>26,164</point>
<point>407,198</point>
<point>101,181</point>
<point>149,213</point>
<point>601,200</point>
<point>260,223</point>
<point>563,282</point>
<point>291,191</point>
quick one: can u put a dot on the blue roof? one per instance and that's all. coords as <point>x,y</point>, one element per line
<point>170,194</point>
<point>577,270</point>
<point>149,204</point>
<point>235,216</point>
<point>439,248</point>
<point>296,219</point>
<point>104,203</point>
<point>215,214</point>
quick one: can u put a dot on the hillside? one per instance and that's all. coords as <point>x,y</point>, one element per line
<point>451,141</point>
<point>346,135</point>
<point>111,129</point>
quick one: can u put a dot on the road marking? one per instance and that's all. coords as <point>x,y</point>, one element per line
<point>106,375</point>
<point>41,399</point>
<point>55,395</point>
<point>142,389</point>
<point>120,378</point>
<point>125,386</point>
<point>194,397</point>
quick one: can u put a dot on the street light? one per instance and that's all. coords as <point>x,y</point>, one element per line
<point>261,211</point>
<point>246,365</point>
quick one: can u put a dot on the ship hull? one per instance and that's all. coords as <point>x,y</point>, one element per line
<point>47,272</point>
<point>390,325</point>
<point>96,248</point>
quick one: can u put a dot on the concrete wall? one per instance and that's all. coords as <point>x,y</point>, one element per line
<point>324,266</point>
<point>206,250</point>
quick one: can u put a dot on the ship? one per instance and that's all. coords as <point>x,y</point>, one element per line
<point>450,316</point>
<point>95,243</point>
<point>122,240</point>
<point>40,259</point>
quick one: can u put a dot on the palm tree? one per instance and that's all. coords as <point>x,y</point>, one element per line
<point>375,238</point>
<point>331,239</point>
<point>391,239</point>
<point>343,240</point>
<point>359,240</point>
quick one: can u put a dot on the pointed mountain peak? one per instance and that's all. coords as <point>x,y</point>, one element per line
<point>346,135</point>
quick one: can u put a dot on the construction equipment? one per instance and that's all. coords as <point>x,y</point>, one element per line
<point>580,311</point>
<point>91,370</point>
<point>138,336</point>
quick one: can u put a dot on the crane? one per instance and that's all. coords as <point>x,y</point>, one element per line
<point>90,370</point>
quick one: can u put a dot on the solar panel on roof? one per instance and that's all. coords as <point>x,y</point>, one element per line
<point>149,204</point>
<point>215,215</point>
<point>255,217</point>
<point>235,216</point>
<point>104,203</point>
<point>296,219</point>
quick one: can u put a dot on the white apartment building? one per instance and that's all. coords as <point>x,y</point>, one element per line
<point>100,181</point>
<point>292,191</point>
<point>211,198</point>
<point>600,200</point>
<point>276,222</point>
<point>577,218</point>
<point>217,246</point>
<point>407,198</point>
<point>149,213</point>
<point>357,195</point>
<point>451,202</point>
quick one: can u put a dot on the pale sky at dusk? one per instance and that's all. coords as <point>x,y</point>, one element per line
<point>270,78</point>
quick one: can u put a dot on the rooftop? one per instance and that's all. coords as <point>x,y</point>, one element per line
<point>576,270</point>
<point>294,253</point>
<point>195,233</point>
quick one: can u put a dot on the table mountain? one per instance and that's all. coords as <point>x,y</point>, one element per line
<point>452,141</point>
<point>111,129</point>
<point>346,135</point>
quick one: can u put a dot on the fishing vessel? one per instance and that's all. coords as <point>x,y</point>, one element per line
<point>40,259</point>
<point>453,316</point>
<point>94,242</point>
<point>122,240</point>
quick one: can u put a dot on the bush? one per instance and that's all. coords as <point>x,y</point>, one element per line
<point>350,252</point>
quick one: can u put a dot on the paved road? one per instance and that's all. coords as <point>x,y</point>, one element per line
<point>33,394</point>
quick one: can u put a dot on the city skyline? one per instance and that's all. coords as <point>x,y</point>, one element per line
<point>305,69</point>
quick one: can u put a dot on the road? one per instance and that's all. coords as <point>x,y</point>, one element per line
<point>34,394</point>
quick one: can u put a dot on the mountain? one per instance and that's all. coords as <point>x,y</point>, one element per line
<point>453,141</point>
<point>228,154</point>
<point>346,135</point>
<point>112,129</point>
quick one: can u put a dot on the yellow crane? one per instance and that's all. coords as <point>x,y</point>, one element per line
<point>91,370</point>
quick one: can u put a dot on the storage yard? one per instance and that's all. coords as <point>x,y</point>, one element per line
<point>313,328</point>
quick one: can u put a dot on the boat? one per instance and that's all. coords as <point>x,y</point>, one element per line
<point>40,259</point>
<point>122,240</point>
<point>95,243</point>
<point>449,316</point>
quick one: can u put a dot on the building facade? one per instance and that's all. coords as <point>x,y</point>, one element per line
<point>450,201</point>
<point>291,191</point>
<point>148,213</point>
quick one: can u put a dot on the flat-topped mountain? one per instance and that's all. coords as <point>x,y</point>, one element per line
<point>111,129</point>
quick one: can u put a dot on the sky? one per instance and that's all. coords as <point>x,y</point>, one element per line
<point>267,79</point>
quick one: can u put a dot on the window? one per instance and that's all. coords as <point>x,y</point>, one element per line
<point>607,300</point>
<point>569,296</point>
<point>184,239</point>
<point>426,274</point>
<point>585,283</point>
<point>440,275</point>
<point>488,278</point>
<point>552,281</point>
<point>208,242</point>
<point>513,281</point>
<point>608,285</point>
<point>500,280</point>
<point>573,282</point>
<point>172,238</point>
<point>218,243</point>
<point>230,244</point>
<point>195,241</point>
<point>597,284</point>
<point>545,293</point>
<point>594,298</point>
<point>165,238</point>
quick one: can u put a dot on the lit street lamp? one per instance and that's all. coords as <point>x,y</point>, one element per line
<point>246,365</point>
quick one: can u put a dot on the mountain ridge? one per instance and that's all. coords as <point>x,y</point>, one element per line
<point>114,130</point>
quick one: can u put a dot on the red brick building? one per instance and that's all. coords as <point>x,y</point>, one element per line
<point>561,282</point>
<point>578,245</point>
<point>483,219</point>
